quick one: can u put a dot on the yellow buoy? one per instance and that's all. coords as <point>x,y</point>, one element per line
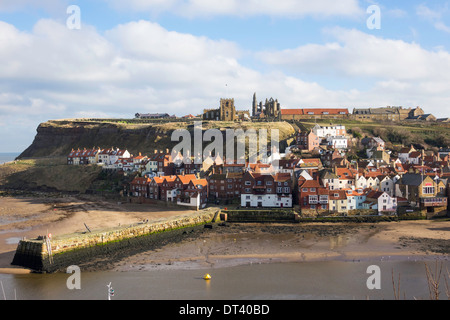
<point>207,276</point>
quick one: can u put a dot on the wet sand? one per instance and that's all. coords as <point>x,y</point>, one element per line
<point>224,245</point>
<point>33,216</point>
<point>237,244</point>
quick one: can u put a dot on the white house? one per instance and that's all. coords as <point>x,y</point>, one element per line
<point>330,180</point>
<point>110,156</point>
<point>360,182</point>
<point>380,201</point>
<point>355,198</point>
<point>386,184</point>
<point>338,142</point>
<point>403,154</point>
<point>373,182</point>
<point>323,132</point>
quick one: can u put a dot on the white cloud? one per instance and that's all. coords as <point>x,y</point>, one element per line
<point>357,54</point>
<point>211,8</point>
<point>53,72</point>
<point>397,71</point>
<point>434,16</point>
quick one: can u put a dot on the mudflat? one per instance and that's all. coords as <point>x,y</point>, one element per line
<point>30,217</point>
<point>225,244</point>
<point>235,244</point>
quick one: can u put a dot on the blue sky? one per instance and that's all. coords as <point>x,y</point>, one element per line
<point>181,56</point>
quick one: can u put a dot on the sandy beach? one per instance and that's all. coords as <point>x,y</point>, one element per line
<point>30,217</point>
<point>226,244</point>
<point>237,244</point>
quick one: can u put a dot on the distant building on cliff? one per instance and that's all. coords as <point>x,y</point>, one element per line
<point>226,112</point>
<point>314,113</point>
<point>153,116</point>
<point>391,114</point>
<point>271,109</point>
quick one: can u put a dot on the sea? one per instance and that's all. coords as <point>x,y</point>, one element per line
<point>8,156</point>
<point>314,280</point>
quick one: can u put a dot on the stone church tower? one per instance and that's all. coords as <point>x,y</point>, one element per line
<point>254,105</point>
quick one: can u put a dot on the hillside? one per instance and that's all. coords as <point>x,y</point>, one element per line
<point>51,174</point>
<point>422,134</point>
<point>58,137</point>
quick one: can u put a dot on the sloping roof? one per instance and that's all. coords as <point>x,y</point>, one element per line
<point>314,111</point>
<point>411,179</point>
<point>185,179</point>
<point>325,174</point>
<point>310,184</point>
<point>282,177</point>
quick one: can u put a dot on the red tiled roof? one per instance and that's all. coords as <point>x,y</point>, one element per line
<point>315,111</point>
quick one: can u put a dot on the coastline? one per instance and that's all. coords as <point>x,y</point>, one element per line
<point>225,244</point>
<point>240,244</point>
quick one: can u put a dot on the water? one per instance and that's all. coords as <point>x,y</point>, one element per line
<point>7,157</point>
<point>329,280</point>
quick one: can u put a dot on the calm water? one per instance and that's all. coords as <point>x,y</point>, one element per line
<point>330,280</point>
<point>6,157</point>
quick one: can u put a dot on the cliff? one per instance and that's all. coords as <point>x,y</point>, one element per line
<point>58,137</point>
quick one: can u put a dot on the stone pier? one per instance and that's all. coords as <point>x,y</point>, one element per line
<point>59,252</point>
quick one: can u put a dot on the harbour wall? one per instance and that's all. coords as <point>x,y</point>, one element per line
<point>100,247</point>
<point>259,215</point>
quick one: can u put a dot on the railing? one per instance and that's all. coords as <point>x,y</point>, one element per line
<point>433,202</point>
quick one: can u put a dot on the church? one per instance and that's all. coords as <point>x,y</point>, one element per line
<point>270,110</point>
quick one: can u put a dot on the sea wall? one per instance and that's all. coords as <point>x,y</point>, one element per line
<point>103,246</point>
<point>249,215</point>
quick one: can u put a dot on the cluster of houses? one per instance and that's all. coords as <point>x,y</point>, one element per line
<point>331,136</point>
<point>327,184</point>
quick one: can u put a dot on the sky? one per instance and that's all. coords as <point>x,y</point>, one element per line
<point>111,58</point>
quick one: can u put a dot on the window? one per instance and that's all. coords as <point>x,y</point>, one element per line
<point>305,189</point>
<point>312,189</point>
<point>269,183</point>
<point>428,190</point>
<point>269,189</point>
<point>248,183</point>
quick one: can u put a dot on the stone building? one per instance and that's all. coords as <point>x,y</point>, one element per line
<point>270,110</point>
<point>226,112</point>
<point>391,114</point>
<point>314,113</point>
